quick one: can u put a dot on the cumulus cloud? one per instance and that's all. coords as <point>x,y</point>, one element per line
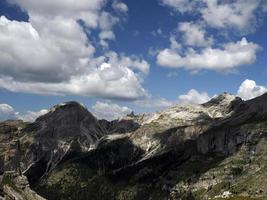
<point>107,81</point>
<point>107,35</point>
<point>87,10</point>
<point>31,116</point>
<point>179,5</point>
<point>155,103</point>
<point>174,45</point>
<point>120,7</point>
<point>236,14</point>
<point>109,111</point>
<point>194,34</point>
<point>7,112</point>
<point>197,50</point>
<point>249,90</point>
<point>60,58</point>
<point>228,57</point>
<point>52,54</point>
<point>194,97</point>
<point>132,62</point>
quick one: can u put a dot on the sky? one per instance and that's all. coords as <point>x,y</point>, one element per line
<point>118,56</point>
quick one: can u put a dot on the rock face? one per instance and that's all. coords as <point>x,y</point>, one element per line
<point>214,150</point>
<point>66,128</point>
<point>66,123</point>
<point>119,126</point>
<point>14,186</point>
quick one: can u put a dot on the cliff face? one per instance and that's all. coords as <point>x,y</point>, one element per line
<point>15,186</point>
<point>213,150</point>
<point>40,146</point>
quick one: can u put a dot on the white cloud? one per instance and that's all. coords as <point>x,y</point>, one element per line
<point>107,81</point>
<point>59,58</point>
<point>155,103</point>
<point>249,90</point>
<point>119,6</point>
<point>212,18</point>
<point>31,116</point>
<point>7,112</point>
<point>109,111</point>
<point>230,56</point>
<point>59,7</point>
<point>107,21</point>
<point>174,44</point>
<point>52,54</point>
<point>87,10</point>
<point>107,35</point>
<point>237,14</point>
<point>179,5</point>
<point>194,34</point>
<point>132,62</point>
<point>158,32</point>
<point>194,97</point>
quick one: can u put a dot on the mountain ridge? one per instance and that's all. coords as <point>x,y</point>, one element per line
<point>77,149</point>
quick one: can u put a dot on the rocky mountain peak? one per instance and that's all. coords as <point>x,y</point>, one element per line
<point>223,99</point>
<point>72,109</point>
<point>183,115</point>
<point>222,105</point>
<point>68,122</point>
<point>190,147</point>
<point>67,128</point>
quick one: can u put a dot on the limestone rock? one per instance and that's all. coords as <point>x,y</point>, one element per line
<point>184,152</point>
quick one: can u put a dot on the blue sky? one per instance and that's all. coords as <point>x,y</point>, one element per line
<point>117,56</point>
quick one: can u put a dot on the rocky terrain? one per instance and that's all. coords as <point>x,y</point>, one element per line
<point>217,150</point>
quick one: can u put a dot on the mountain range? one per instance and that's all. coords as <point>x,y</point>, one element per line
<point>216,150</point>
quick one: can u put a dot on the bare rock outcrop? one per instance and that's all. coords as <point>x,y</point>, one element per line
<point>16,187</point>
<point>183,152</point>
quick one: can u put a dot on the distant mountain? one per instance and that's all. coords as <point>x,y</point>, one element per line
<point>217,150</point>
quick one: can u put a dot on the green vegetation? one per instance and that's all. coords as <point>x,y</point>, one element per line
<point>79,182</point>
<point>240,198</point>
<point>9,181</point>
<point>242,173</point>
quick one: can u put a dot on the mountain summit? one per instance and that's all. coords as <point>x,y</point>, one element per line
<point>69,122</point>
<point>209,151</point>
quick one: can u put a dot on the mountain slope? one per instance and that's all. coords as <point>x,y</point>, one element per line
<point>40,146</point>
<point>209,151</point>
